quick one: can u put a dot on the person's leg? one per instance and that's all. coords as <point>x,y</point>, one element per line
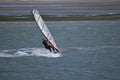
<point>55,50</point>
<point>47,47</point>
<point>50,49</point>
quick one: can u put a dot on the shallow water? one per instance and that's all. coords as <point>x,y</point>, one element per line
<point>91,51</point>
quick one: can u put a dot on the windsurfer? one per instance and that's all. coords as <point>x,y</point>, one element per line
<point>48,45</point>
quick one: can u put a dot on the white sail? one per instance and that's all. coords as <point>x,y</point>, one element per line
<point>43,28</point>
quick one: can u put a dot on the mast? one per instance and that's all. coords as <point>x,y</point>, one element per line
<point>44,28</point>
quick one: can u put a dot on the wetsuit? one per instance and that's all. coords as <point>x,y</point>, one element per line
<point>48,46</point>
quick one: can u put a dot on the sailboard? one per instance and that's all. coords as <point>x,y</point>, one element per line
<point>44,28</point>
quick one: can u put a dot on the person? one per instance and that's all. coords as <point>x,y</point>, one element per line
<point>48,45</point>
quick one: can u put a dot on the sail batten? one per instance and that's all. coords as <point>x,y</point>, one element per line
<point>44,28</point>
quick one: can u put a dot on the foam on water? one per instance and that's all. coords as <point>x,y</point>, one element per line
<point>28,52</point>
<point>41,52</point>
<point>45,53</point>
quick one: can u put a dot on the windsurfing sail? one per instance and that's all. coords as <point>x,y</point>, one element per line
<point>44,28</point>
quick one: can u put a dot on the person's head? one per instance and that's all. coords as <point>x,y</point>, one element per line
<point>44,39</point>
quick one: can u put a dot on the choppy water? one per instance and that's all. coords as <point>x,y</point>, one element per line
<point>91,51</point>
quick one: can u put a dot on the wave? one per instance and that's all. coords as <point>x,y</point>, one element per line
<point>28,52</point>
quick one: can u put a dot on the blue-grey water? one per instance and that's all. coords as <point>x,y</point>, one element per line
<point>91,51</point>
<point>59,9</point>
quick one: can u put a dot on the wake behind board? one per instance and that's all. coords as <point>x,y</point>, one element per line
<point>44,28</point>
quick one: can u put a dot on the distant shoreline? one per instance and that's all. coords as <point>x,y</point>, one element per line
<point>18,10</point>
<point>61,2</point>
<point>56,1</point>
<point>108,17</point>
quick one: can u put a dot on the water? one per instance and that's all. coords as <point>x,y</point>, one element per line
<point>91,51</point>
<point>59,9</point>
